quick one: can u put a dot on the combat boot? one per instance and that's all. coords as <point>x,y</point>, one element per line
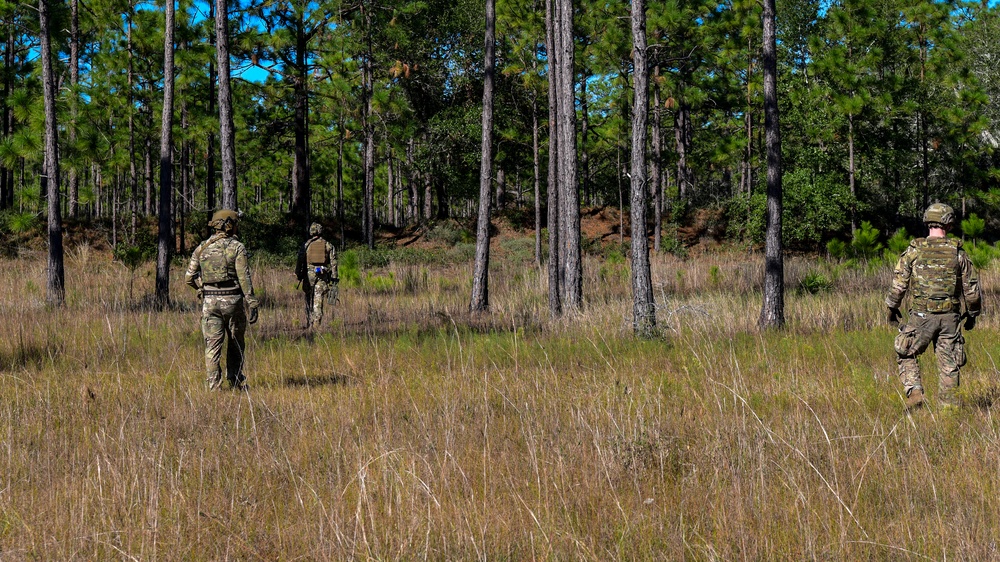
<point>914,398</point>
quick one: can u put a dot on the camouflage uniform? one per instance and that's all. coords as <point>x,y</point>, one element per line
<point>938,274</point>
<point>316,269</point>
<point>220,271</point>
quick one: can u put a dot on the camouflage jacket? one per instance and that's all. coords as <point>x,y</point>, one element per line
<point>221,258</point>
<point>302,266</point>
<point>938,274</point>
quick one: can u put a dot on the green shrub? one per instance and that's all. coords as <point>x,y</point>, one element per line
<point>670,243</point>
<point>813,207</point>
<point>380,283</point>
<point>450,233</point>
<point>21,223</point>
<point>714,276</point>
<point>349,269</point>
<point>865,244</point>
<point>461,253</point>
<point>266,234</point>
<point>899,241</point>
<point>837,249</point>
<point>981,254</point>
<point>377,257</point>
<point>973,227</point>
<point>519,249</point>
<point>815,282</point>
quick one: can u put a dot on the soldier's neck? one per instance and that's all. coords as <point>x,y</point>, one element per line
<point>936,233</point>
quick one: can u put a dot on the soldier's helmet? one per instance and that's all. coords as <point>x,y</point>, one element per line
<point>939,213</point>
<point>315,229</point>
<point>224,220</point>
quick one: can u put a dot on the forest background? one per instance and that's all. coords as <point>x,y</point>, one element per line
<point>886,106</point>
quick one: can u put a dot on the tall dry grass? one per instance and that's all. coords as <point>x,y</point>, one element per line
<point>407,429</point>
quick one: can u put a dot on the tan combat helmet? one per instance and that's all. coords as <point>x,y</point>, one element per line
<point>939,213</point>
<point>315,229</point>
<point>224,220</point>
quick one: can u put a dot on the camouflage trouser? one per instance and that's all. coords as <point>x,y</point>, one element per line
<point>224,317</point>
<point>318,291</point>
<point>942,330</point>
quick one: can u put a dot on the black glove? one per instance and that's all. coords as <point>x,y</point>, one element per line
<point>970,322</point>
<point>894,316</point>
<point>252,318</point>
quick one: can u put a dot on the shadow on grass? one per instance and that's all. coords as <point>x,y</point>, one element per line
<point>331,379</point>
<point>31,355</point>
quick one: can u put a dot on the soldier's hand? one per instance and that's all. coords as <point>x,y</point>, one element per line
<point>970,322</point>
<point>894,316</point>
<point>200,293</point>
<point>253,316</point>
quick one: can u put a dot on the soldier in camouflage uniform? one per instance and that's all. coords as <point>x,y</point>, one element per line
<point>220,271</point>
<point>316,269</point>
<point>938,274</point>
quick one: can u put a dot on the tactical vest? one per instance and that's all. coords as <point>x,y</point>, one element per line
<point>316,252</point>
<point>215,267</point>
<point>936,275</point>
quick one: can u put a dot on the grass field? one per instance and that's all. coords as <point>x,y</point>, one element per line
<point>407,429</point>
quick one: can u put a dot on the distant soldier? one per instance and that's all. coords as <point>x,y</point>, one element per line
<point>220,271</point>
<point>316,269</point>
<point>938,274</point>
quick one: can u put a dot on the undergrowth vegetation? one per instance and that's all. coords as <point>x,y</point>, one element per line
<point>408,429</point>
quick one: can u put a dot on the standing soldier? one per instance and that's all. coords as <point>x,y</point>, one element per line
<point>316,269</point>
<point>220,271</point>
<point>938,274</point>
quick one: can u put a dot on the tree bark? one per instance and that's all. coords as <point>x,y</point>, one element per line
<point>369,132</point>
<point>536,177</point>
<point>210,187</point>
<point>772,312</point>
<point>7,174</point>
<point>74,79</point>
<point>481,272</point>
<point>555,249</point>
<point>569,193</point>
<point>643,307</point>
<point>850,172</point>
<point>301,192</point>
<point>655,167</point>
<point>340,184</point>
<point>165,239</point>
<point>55,289</point>
<point>186,173</point>
<point>227,130</point>
<point>585,186</point>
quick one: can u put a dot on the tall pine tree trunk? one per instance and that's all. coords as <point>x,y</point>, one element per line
<point>369,132</point>
<point>186,173</point>
<point>850,171</point>
<point>210,184</point>
<point>655,167</point>
<point>536,177</point>
<point>227,130</point>
<point>643,307</point>
<point>74,79</point>
<point>481,271</point>
<point>300,175</point>
<point>772,312</point>
<point>55,288</point>
<point>585,186</point>
<point>340,185</point>
<point>165,239</point>
<point>569,192</point>
<point>7,114</point>
<point>555,248</point>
